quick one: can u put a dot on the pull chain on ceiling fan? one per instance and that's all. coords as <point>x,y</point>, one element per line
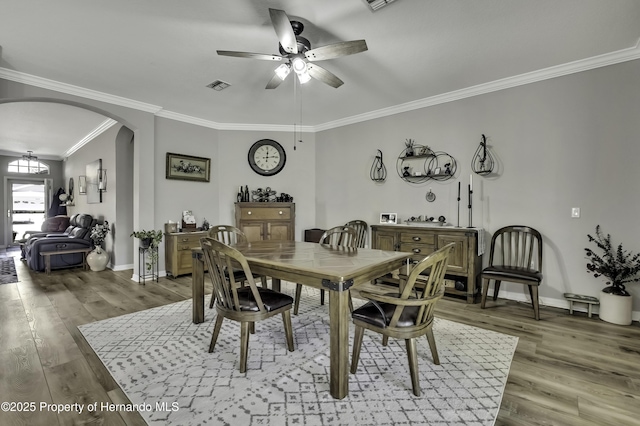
<point>297,55</point>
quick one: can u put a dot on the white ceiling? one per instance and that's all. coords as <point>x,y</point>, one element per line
<point>163,53</point>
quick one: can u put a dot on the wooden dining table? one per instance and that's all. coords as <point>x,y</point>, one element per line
<point>336,269</point>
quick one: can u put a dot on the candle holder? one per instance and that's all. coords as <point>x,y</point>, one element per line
<point>470,207</point>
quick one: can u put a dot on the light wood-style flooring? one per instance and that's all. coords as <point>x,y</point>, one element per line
<point>567,370</point>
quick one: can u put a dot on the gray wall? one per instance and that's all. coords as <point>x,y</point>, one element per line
<point>572,141</point>
<point>567,142</point>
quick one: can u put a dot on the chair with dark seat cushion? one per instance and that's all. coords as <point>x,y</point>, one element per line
<point>55,224</point>
<point>230,235</point>
<point>342,236</point>
<point>516,256</point>
<point>362,231</point>
<point>248,304</point>
<point>407,314</point>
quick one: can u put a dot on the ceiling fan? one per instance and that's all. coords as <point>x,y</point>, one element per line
<point>297,55</point>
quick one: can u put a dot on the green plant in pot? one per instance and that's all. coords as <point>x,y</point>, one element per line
<point>151,240</point>
<point>619,267</point>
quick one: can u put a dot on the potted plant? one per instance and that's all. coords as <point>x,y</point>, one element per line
<point>149,240</point>
<point>98,258</point>
<point>619,267</point>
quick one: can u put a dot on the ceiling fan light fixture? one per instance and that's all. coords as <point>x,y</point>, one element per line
<point>304,77</point>
<point>299,65</point>
<point>29,156</point>
<point>283,71</point>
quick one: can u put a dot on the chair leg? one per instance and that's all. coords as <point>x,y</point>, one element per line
<point>288,329</point>
<point>357,343</point>
<point>244,345</point>
<point>263,280</point>
<point>533,291</point>
<point>413,365</point>
<point>385,340</point>
<point>213,300</point>
<point>432,345</point>
<point>252,327</point>
<point>496,289</point>
<point>485,291</point>
<point>322,297</point>
<point>350,302</point>
<point>296,302</point>
<point>216,332</point>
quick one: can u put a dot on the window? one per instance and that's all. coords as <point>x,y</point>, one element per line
<point>28,166</point>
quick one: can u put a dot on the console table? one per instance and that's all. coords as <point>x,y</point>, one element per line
<point>177,251</point>
<point>465,261</point>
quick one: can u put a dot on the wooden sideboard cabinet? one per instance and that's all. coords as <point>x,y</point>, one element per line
<point>266,221</point>
<point>465,264</point>
<point>177,251</point>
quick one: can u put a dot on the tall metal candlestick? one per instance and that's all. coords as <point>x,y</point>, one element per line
<point>458,205</point>
<point>470,209</point>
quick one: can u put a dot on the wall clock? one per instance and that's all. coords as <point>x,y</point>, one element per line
<point>267,157</point>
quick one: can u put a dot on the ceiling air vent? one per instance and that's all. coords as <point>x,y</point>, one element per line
<point>218,85</point>
<point>377,4</point>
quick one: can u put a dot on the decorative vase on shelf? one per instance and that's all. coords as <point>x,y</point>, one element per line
<point>98,259</point>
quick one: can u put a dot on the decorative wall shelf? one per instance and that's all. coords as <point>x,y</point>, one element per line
<point>418,164</point>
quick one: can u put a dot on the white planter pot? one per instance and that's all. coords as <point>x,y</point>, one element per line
<point>98,259</point>
<point>615,309</point>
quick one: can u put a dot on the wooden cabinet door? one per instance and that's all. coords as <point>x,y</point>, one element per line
<point>385,241</point>
<point>458,257</point>
<point>253,230</point>
<point>278,231</point>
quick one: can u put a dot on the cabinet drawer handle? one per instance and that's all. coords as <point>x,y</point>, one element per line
<point>248,212</point>
<point>416,250</point>
<point>280,212</point>
<point>416,238</point>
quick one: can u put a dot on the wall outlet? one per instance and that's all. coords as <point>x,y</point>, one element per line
<point>575,212</point>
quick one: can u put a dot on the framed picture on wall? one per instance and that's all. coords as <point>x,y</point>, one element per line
<point>188,167</point>
<point>389,218</point>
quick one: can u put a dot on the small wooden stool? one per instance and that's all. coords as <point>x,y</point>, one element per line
<point>579,298</point>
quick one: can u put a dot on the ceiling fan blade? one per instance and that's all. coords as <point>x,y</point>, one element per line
<point>261,56</point>
<point>336,50</point>
<point>324,76</point>
<point>283,28</point>
<point>274,82</point>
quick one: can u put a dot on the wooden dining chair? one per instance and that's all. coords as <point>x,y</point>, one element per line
<point>230,235</point>
<point>341,236</point>
<point>407,314</point>
<point>362,231</point>
<point>248,304</point>
<point>516,256</point>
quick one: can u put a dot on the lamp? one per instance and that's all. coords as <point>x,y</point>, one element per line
<point>283,71</point>
<point>300,67</point>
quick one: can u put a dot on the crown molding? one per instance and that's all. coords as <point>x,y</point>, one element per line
<point>606,59</point>
<point>70,89</point>
<point>103,127</point>
<point>612,58</point>
<point>232,126</point>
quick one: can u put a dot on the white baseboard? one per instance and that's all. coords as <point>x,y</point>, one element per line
<point>554,303</point>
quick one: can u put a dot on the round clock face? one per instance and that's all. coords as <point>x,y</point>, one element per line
<point>267,157</point>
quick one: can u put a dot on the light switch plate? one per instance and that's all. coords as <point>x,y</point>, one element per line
<point>575,212</point>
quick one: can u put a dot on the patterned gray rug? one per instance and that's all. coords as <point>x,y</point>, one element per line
<point>159,358</point>
<point>8,272</point>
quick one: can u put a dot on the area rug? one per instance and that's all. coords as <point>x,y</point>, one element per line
<point>8,272</point>
<point>160,360</point>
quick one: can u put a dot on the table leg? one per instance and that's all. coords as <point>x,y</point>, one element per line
<point>197,278</point>
<point>339,343</point>
<point>275,284</point>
